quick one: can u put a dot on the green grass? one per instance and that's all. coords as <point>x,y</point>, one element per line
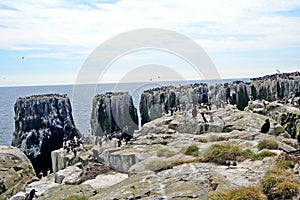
<point>285,164</point>
<point>245,193</point>
<point>279,183</point>
<point>267,144</point>
<point>262,154</point>
<point>192,150</point>
<point>219,154</point>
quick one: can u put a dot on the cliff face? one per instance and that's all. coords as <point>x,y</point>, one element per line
<point>283,87</point>
<point>157,101</point>
<point>41,124</point>
<point>113,112</point>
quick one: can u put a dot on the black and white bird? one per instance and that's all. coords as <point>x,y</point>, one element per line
<point>265,127</point>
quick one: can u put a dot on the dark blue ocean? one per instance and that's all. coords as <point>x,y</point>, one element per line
<point>81,99</point>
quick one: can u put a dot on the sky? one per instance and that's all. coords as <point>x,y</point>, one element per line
<point>48,41</point>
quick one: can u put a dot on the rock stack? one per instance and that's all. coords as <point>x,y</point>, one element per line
<point>113,112</point>
<point>42,122</point>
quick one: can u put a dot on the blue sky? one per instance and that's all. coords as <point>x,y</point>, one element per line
<point>243,38</point>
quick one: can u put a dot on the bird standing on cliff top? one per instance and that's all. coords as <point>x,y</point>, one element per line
<point>265,127</point>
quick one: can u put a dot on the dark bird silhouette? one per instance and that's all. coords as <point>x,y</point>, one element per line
<point>22,57</point>
<point>265,127</point>
<point>31,195</point>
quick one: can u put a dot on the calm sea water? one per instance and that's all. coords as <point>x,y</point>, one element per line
<point>81,99</point>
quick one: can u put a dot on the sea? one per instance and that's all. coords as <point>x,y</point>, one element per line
<point>81,97</point>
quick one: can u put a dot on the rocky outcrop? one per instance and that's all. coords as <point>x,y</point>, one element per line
<point>113,112</point>
<point>155,102</point>
<point>286,118</point>
<point>163,171</point>
<point>15,171</point>
<point>41,124</point>
<point>158,164</point>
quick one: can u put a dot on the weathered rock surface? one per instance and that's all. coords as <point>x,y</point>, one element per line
<point>41,123</point>
<point>112,112</point>
<point>106,180</point>
<point>283,87</point>
<point>15,171</point>
<point>286,118</point>
<point>163,171</point>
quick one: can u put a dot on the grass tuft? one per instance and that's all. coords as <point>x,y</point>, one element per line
<point>192,150</point>
<point>245,193</point>
<point>279,183</point>
<point>267,144</point>
<point>221,153</point>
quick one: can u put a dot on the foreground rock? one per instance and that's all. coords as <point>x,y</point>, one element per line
<point>15,171</point>
<point>41,124</point>
<point>162,170</point>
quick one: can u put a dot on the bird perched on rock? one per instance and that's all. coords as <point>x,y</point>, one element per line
<point>31,195</point>
<point>265,127</point>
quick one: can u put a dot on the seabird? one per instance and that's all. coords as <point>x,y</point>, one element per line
<point>265,127</point>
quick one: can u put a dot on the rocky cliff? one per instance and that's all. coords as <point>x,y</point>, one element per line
<point>113,112</point>
<point>41,124</point>
<point>283,87</point>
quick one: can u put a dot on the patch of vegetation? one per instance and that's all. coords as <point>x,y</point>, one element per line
<point>192,150</point>
<point>215,138</point>
<point>165,152</point>
<point>267,144</point>
<point>202,140</point>
<point>77,197</point>
<point>279,183</point>
<point>285,164</point>
<point>245,193</point>
<point>263,154</point>
<point>286,135</point>
<point>221,153</point>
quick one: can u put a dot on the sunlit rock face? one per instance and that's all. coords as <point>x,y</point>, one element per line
<point>113,112</point>
<point>41,124</point>
<point>284,87</point>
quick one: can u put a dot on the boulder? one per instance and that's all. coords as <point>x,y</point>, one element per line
<point>106,180</point>
<point>68,192</point>
<point>68,175</point>
<point>120,160</point>
<point>16,171</point>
